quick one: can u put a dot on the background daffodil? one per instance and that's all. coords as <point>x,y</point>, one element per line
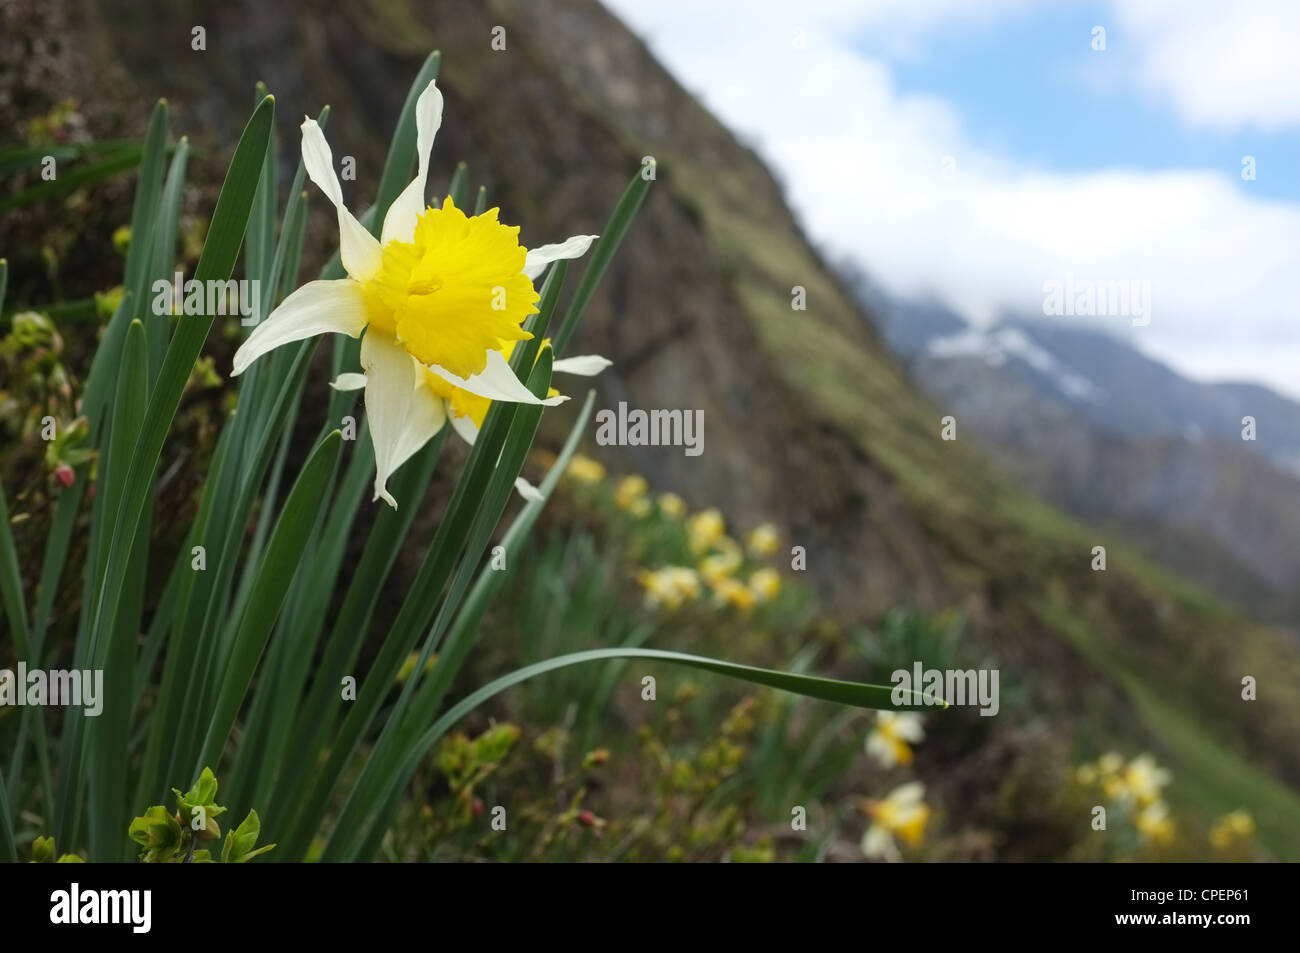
<point>891,740</point>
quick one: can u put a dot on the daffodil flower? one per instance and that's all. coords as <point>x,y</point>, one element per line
<point>440,293</point>
<point>1143,780</point>
<point>1154,824</point>
<point>436,400</point>
<point>891,740</point>
<point>903,814</point>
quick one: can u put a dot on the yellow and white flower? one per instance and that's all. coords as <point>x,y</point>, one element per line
<point>671,505</point>
<point>1154,824</point>
<point>902,815</point>
<point>1142,780</point>
<point>765,584</point>
<point>669,587</point>
<point>440,293</point>
<point>891,740</point>
<point>437,401</point>
<point>763,540</point>
<point>704,529</point>
<point>1234,826</point>
<point>630,494</point>
<point>585,470</point>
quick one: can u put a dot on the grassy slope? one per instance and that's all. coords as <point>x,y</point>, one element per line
<point>846,379</point>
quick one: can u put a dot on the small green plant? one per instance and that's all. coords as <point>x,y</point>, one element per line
<point>173,837</point>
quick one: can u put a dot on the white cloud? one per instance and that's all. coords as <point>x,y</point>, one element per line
<point>1221,63</point>
<point>863,165</point>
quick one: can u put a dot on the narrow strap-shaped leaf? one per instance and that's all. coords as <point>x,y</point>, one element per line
<point>11,583</point>
<point>458,190</point>
<point>217,261</point>
<point>107,733</point>
<point>399,166</point>
<point>491,580</point>
<point>414,705</point>
<point>857,694</point>
<point>615,229</point>
<point>158,326</point>
<point>292,529</point>
<point>8,847</point>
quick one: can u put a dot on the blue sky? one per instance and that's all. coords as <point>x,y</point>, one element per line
<point>1032,85</point>
<point>981,150</point>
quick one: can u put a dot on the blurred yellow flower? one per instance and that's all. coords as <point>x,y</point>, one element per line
<point>669,587</point>
<point>408,666</point>
<point>704,529</point>
<point>1109,763</point>
<point>1153,823</point>
<point>630,494</point>
<point>720,566</point>
<point>1238,825</point>
<point>1143,779</point>
<point>585,470</point>
<point>902,815</point>
<point>764,540</point>
<point>890,741</point>
<point>672,505</point>
<point>765,584</point>
<point>734,593</point>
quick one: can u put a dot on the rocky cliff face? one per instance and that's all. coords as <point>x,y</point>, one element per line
<point>808,420</point>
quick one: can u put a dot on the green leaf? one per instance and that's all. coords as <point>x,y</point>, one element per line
<point>399,166</point>
<point>217,261</point>
<point>615,229</point>
<point>239,846</point>
<point>158,831</point>
<point>283,553</point>
<point>113,164</point>
<point>8,846</point>
<point>458,190</point>
<point>11,583</point>
<point>108,734</point>
<point>857,694</point>
<point>42,850</point>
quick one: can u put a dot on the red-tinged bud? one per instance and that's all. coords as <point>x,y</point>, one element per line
<point>65,474</point>
<point>90,492</point>
<point>477,807</point>
<point>586,819</point>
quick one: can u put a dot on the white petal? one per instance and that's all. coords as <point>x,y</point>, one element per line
<point>349,382</point>
<point>537,259</point>
<point>358,249</point>
<point>880,749</point>
<point>878,842</point>
<point>427,417</point>
<point>907,795</point>
<point>908,727</point>
<point>586,365</point>
<point>318,307</point>
<point>497,382</point>
<point>528,491</point>
<point>399,223</point>
<point>465,427</point>
<point>390,393</point>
